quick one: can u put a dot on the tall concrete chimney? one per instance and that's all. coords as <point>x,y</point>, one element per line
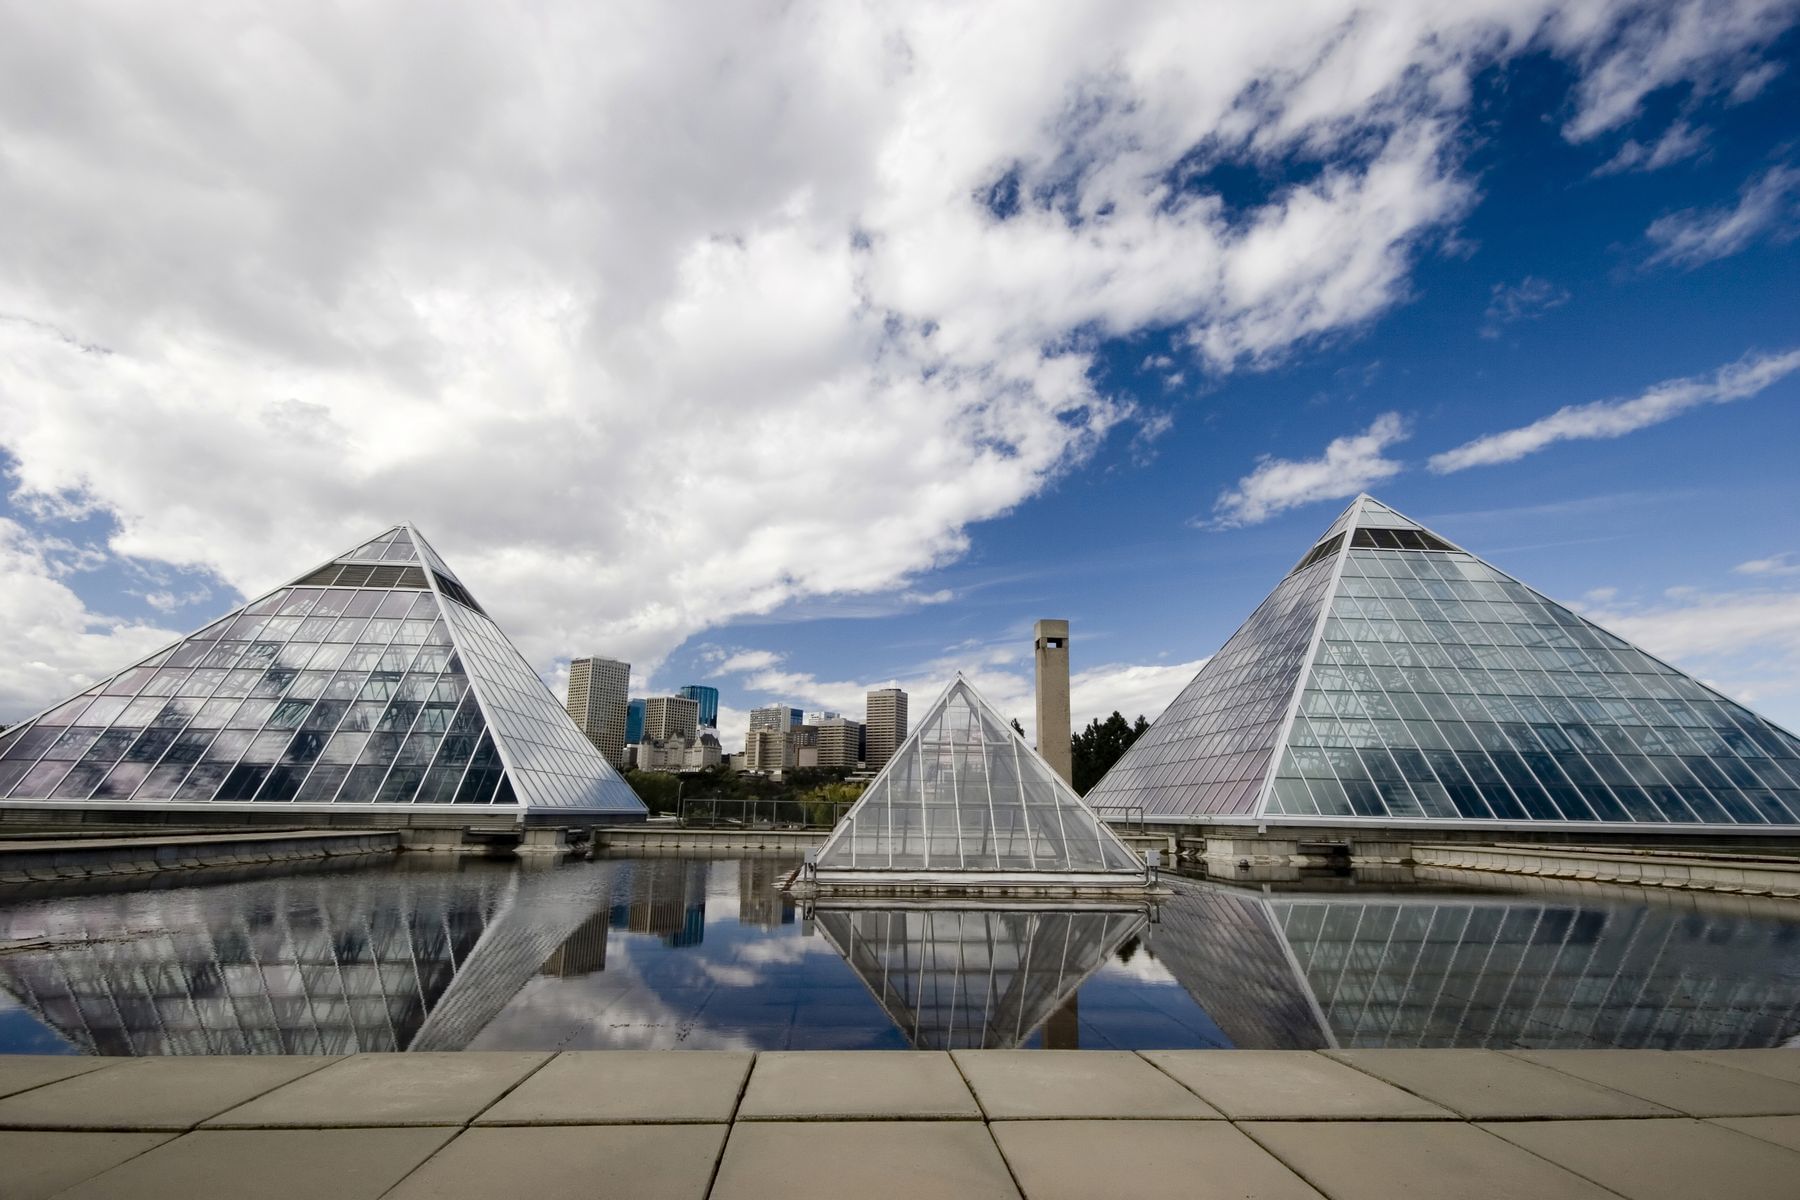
<point>1053,729</point>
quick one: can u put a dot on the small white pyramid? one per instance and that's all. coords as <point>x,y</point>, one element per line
<point>964,797</point>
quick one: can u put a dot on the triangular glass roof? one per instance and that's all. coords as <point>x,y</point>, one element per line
<point>1415,681</point>
<point>367,681</point>
<point>965,794</point>
<point>956,979</point>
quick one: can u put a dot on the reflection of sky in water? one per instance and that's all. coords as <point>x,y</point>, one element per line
<point>426,953</point>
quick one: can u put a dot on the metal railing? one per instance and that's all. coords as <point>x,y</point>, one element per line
<point>732,813</point>
<point>1127,817</point>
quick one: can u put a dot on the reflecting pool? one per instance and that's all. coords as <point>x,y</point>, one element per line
<point>432,954</point>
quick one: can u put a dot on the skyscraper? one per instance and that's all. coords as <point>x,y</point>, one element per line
<point>840,742</point>
<point>1393,675</point>
<point>707,698</point>
<point>670,717</point>
<point>886,711</point>
<point>634,720</point>
<point>774,716</point>
<point>597,702</point>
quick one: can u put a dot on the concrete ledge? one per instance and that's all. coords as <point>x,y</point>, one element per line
<point>40,859</point>
<point>1750,874</point>
<point>1294,1125</point>
<point>632,839</point>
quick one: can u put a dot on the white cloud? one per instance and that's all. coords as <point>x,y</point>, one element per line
<point>1785,563</point>
<point>745,661</point>
<point>1745,643</point>
<point>1526,300</point>
<point>51,645</point>
<point>1768,204</point>
<point>647,315</point>
<point>1349,465</point>
<point>1679,141</point>
<point>1615,418</point>
<point>1712,46</point>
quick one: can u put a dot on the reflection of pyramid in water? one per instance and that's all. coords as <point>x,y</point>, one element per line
<point>375,680</point>
<point>1393,675</point>
<point>970,979</point>
<point>965,797</point>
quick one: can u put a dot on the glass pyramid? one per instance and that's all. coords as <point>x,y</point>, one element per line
<point>374,680</point>
<point>957,979</point>
<point>1393,675</point>
<point>965,797</point>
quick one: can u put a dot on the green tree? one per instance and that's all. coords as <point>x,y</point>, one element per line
<point>1102,744</point>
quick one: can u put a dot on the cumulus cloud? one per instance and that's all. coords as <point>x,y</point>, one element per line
<point>51,644</point>
<point>1768,204</point>
<point>1526,300</point>
<point>1745,643</point>
<point>652,317</point>
<point>1615,418</point>
<point>1349,465</point>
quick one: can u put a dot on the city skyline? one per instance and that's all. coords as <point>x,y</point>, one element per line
<point>1101,338</point>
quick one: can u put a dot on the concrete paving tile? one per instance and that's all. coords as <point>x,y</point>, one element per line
<point>601,1087</point>
<point>269,1164</point>
<point>154,1093</point>
<point>21,1072</point>
<point>1662,1160</point>
<point>1489,1085</point>
<point>1290,1085</point>
<point>1782,1131</point>
<point>388,1089</point>
<point>39,1163</point>
<point>1677,1081</point>
<point>1143,1160</point>
<point>836,1085</point>
<point>1040,1084</point>
<point>1443,1160</point>
<point>1777,1064</point>
<point>643,1162</point>
<point>865,1160</point>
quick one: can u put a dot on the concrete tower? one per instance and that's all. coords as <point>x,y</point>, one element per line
<point>1053,727</point>
<point>597,702</point>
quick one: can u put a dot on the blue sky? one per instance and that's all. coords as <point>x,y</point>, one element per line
<point>830,366</point>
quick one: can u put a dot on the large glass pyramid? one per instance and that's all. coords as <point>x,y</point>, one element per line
<point>375,680</point>
<point>959,979</point>
<point>1395,676</point>
<point>965,798</point>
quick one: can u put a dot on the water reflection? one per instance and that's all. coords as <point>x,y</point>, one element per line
<point>954,979</point>
<point>671,952</point>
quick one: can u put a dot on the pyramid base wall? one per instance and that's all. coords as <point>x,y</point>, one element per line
<point>287,816</point>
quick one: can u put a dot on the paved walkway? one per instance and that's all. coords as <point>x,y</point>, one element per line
<point>1048,1125</point>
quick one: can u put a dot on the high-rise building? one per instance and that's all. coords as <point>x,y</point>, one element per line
<point>597,703</point>
<point>840,743</point>
<point>774,716</point>
<point>375,681</point>
<point>886,713</point>
<point>768,750</point>
<point>671,717</point>
<point>1394,676</point>
<point>1054,733</point>
<point>634,720</point>
<point>708,700</point>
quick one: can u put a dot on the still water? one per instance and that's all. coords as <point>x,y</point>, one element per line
<point>428,954</point>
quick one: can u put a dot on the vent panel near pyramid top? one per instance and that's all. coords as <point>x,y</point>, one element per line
<point>1442,689</point>
<point>965,796</point>
<point>378,689</point>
